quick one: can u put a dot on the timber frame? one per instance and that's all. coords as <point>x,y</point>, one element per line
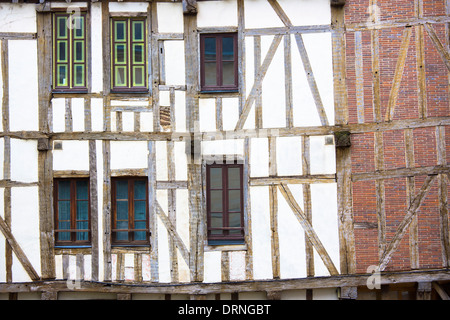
<point>345,275</point>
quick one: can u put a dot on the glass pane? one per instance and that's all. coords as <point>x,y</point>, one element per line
<point>215,178</point>
<point>82,225</point>
<point>210,49</point>
<point>216,220</point>
<point>78,25</point>
<point>120,53</point>
<point>140,235</point>
<point>64,225</point>
<point>139,210</point>
<point>234,200</point>
<point>82,210</point>
<point>62,27</point>
<point>210,74</point>
<point>227,48</point>
<point>138,76</point>
<point>121,78</point>
<point>121,236</point>
<point>82,236</point>
<point>64,210</point>
<point>138,53</point>
<point>64,190</point>
<point>139,190</point>
<point>235,219</point>
<point>216,200</point>
<point>228,73</point>
<point>79,75</point>
<point>122,189</point>
<point>122,210</point>
<point>123,225</point>
<point>82,190</point>
<point>79,51</point>
<point>62,51</point>
<point>61,76</point>
<point>120,30</point>
<point>138,28</point>
<point>234,178</point>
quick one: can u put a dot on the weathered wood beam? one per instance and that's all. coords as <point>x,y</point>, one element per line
<point>399,173</point>
<point>301,179</point>
<point>396,23</point>
<point>20,254</point>
<point>307,227</point>
<point>403,226</point>
<point>441,49</point>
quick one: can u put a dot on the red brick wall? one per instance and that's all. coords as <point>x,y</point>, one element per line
<point>424,139</point>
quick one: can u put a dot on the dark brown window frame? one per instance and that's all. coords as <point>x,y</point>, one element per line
<point>131,229</point>
<point>219,63</point>
<point>225,238</point>
<point>73,210</point>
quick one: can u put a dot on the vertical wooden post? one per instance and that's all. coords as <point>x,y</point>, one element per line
<point>45,165</point>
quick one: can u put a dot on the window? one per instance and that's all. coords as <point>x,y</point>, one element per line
<point>225,204</point>
<point>218,62</point>
<point>128,54</point>
<point>130,211</point>
<point>69,52</point>
<point>72,212</point>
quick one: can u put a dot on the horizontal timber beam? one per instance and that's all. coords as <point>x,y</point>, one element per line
<point>230,287</point>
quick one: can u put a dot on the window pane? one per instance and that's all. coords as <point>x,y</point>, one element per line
<point>216,200</point>
<point>122,210</point>
<point>79,75</point>
<point>82,210</point>
<point>138,76</point>
<point>235,219</point>
<point>82,190</point>
<point>139,190</point>
<point>234,178</point>
<point>215,177</point>
<point>139,210</point>
<point>61,51</point>
<point>216,222</point>
<point>210,49</point>
<point>79,51</point>
<point>78,25</point>
<point>82,225</point>
<point>62,27</point>
<point>64,190</point>
<point>210,74</point>
<point>138,30</point>
<point>82,236</point>
<point>64,210</point>
<point>119,30</point>
<point>140,235</point>
<point>228,77</point>
<point>120,53</point>
<point>227,48</point>
<point>64,225</point>
<point>61,75</point>
<point>121,77</point>
<point>234,200</point>
<point>138,53</point>
<point>122,189</point>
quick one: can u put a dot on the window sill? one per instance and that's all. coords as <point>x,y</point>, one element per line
<point>130,248</point>
<point>86,249</point>
<point>225,247</point>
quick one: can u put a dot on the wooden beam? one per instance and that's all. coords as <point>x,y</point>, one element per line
<point>258,81</point>
<point>398,74</point>
<point>441,49</point>
<point>20,254</point>
<point>441,292</point>
<point>307,227</point>
<point>403,226</point>
<point>400,173</point>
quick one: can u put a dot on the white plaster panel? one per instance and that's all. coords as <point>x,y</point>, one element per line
<point>180,111</point>
<point>161,160</point>
<point>182,210</point>
<point>290,231</point>
<point>212,266</point>
<point>227,147</point>
<point>325,223</point>
<point>73,156</point>
<point>96,47</point>
<point>78,114</point>
<point>25,228</point>
<point>307,12</point>
<point>129,155</point>
<point>289,156</point>
<point>325,294</point>
<point>163,253</point>
<point>261,240</point>
<point>24,160</point>
<point>128,121</point>
<point>207,114</point>
<point>174,62</point>
<point>58,116</point>
<point>237,265</point>
<point>146,121</point>
<point>2,242</point>
<point>323,157</point>
<point>260,14</point>
<point>23,108</point>
<point>17,17</point>
<point>170,17</point>
<point>97,114</point>
<point>259,157</point>
<point>180,160</point>
<point>217,14</point>
<point>128,6</point>
<point>230,113</point>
